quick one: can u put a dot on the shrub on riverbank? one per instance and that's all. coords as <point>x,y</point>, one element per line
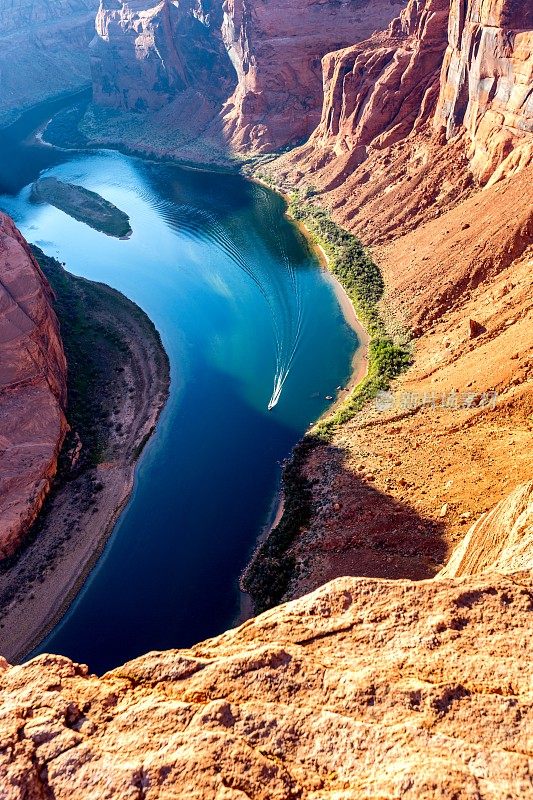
<point>354,267</point>
<point>268,576</point>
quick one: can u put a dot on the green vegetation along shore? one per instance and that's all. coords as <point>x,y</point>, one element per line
<point>361,278</point>
<point>267,577</point>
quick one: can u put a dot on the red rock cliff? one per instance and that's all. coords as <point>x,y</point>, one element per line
<point>251,69</point>
<point>32,388</point>
<point>437,180</point>
<point>437,104</point>
<point>276,48</point>
<point>486,84</point>
<point>381,90</point>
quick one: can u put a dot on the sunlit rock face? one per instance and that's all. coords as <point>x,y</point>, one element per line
<point>486,84</point>
<point>33,376</point>
<point>258,63</point>
<point>378,92</point>
<point>500,541</point>
<point>468,67</point>
<point>43,50</point>
<point>277,48</point>
<point>420,115</point>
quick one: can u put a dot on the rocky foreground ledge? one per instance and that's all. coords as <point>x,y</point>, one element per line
<point>365,689</point>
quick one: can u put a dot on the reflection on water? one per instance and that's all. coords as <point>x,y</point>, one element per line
<point>256,342</point>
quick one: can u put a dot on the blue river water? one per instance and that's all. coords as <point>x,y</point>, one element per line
<point>256,341</point>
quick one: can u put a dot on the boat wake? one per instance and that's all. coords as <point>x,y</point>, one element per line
<point>285,308</point>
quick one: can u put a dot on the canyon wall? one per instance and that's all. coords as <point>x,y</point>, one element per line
<point>501,541</point>
<point>486,84</point>
<point>32,388</point>
<point>245,74</point>
<point>43,50</point>
<point>448,85</point>
<point>276,48</point>
<point>380,91</point>
<point>144,55</point>
<point>364,689</point>
<point>437,182</point>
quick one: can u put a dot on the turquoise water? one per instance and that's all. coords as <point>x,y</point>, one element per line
<point>256,341</point>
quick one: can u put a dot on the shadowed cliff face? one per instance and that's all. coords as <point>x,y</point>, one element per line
<point>364,689</point>
<point>32,388</point>
<point>43,50</point>
<point>244,72</point>
<point>146,54</point>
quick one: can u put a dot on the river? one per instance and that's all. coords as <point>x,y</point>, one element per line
<point>256,341</point>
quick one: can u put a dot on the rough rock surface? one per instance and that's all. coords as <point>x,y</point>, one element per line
<point>32,388</point>
<point>416,117</point>
<point>394,490</point>
<point>486,84</point>
<point>501,541</point>
<point>43,50</point>
<point>276,48</point>
<point>364,689</point>
<point>147,53</point>
<point>381,90</point>
<point>239,76</point>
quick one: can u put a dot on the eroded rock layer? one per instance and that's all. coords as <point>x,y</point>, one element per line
<point>145,54</point>
<point>364,689</point>
<point>242,76</point>
<point>43,50</point>
<point>446,211</point>
<point>501,541</point>
<point>417,116</point>
<point>486,82</point>
<point>32,388</point>
<point>276,48</point>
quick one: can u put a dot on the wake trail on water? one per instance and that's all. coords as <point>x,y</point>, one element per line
<point>286,325</point>
<point>294,322</point>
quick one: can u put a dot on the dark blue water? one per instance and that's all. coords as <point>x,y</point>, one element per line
<point>249,321</point>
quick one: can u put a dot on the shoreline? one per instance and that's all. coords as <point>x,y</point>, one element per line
<point>124,483</point>
<point>360,359</point>
<point>360,366</point>
<point>76,525</point>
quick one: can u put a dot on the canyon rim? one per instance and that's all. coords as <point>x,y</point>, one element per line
<point>390,651</point>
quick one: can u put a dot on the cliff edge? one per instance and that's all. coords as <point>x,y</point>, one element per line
<point>33,375</point>
<point>364,689</point>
